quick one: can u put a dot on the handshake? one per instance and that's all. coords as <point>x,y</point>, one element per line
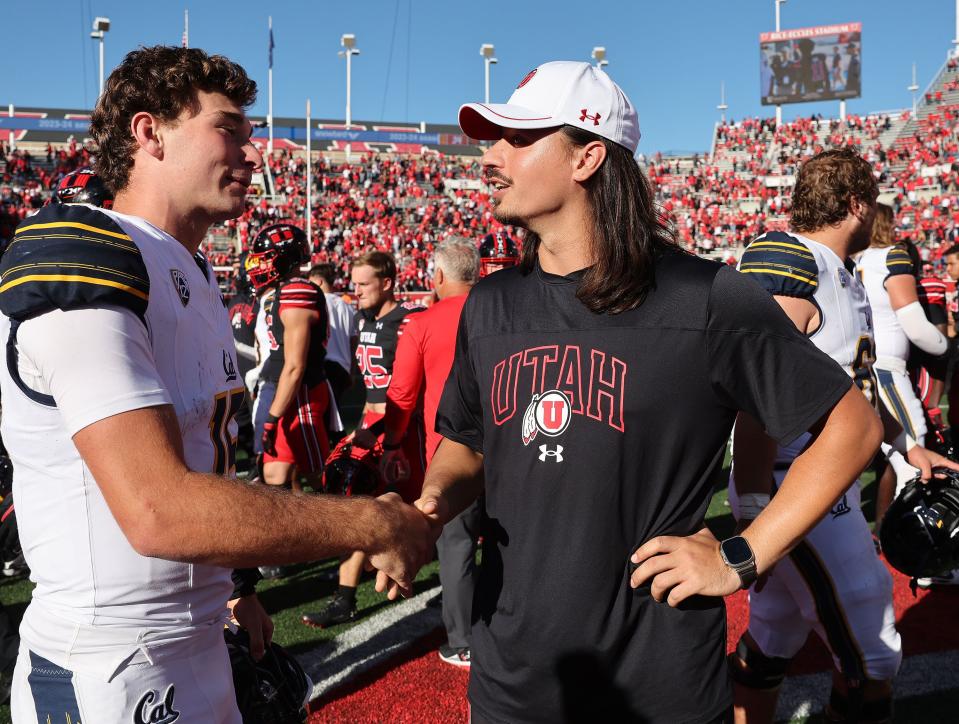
<point>404,540</point>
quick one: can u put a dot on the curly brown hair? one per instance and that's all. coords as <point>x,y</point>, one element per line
<point>825,187</point>
<point>162,80</point>
<point>883,228</point>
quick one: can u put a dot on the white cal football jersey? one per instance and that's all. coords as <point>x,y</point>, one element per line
<point>875,266</point>
<point>795,266</point>
<point>95,596</point>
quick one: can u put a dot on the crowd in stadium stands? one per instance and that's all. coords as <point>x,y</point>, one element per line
<point>394,204</point>
<point>402,203</point>
<point>744,188</point>
<point>24,182</point>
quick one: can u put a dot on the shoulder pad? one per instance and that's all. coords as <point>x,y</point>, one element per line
<point>898,261</point>
<point>412,307</point>
<point>69,256</point>
<point>299,293</point>
<point>782,265</point>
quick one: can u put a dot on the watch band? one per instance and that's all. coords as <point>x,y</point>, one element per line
<point>747,574</point>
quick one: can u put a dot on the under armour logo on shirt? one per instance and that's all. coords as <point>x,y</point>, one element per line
<point>556,453</point>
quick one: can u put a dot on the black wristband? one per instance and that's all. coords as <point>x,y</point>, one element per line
<point>271,419</point>
<point>391,448</point>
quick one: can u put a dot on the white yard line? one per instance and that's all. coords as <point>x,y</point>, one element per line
<point>370,642</point>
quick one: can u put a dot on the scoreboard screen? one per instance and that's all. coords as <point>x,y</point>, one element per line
<point>810,64</point>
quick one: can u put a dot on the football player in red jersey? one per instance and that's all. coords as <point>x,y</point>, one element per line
<point>294,435</point>
<point>381,319</point>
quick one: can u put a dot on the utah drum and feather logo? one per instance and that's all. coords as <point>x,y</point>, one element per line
<point>548,413</point>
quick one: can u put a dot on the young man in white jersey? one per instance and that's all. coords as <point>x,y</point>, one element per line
<point>118,408</point>
<point>888,273</point>
<point>832,582</point>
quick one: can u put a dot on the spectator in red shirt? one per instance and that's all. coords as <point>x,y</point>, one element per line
<point>424,357</point>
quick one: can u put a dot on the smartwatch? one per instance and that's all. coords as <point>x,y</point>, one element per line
<point>737,554</point>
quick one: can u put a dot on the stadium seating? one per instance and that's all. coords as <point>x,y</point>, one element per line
<point>405,203</point>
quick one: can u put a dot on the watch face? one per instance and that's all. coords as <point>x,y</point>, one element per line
<point>736,550</point>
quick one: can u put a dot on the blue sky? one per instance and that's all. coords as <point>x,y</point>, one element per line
<point>420,58</point>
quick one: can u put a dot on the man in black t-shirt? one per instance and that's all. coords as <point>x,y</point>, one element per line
<point>592,395</point>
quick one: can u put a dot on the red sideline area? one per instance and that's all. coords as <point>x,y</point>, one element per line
<point>417,687</point>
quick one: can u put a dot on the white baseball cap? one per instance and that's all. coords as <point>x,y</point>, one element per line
<point>556,94</point>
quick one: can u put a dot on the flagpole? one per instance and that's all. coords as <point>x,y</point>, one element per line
<point>309,178</point>
<point>269,112</point>
<point>186,28</point>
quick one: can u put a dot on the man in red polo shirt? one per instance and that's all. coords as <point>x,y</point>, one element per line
<point>424,357</point>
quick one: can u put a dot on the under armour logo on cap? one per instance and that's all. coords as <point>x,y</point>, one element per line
<point>594,119</point>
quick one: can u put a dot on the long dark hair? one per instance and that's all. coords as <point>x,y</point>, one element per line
<point>628,233</point>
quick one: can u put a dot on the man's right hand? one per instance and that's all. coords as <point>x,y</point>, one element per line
<point>406,540</point>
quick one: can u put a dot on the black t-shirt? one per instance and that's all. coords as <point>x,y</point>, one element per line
<point>376,350</point>
<point>600,432</point>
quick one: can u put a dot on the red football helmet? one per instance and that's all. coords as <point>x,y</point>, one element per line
<point>277,250</point>
<point>497,251</point>
<point>353,470</point>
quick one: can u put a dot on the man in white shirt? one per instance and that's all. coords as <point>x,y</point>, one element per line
<point>118,415</point>
<point>341,344</point>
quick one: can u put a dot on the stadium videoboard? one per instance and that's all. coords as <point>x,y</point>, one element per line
<point>810,64</point>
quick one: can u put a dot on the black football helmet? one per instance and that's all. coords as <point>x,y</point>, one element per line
<point>273,690</point>
<point>497,251</point>
<point>920,530</point>
<point>83,187</point>
<point>353,470</point>
<point>277,250</point>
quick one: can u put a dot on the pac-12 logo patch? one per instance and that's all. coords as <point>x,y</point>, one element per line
<point>548,413</point>
<point>180,283</point>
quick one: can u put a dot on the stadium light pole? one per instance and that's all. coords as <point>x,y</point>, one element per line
<point>348,41</point>
<point>100,27</point>
<point>779,108</point>
<point>955,42</point>
<point>488,52</point>
<point>914,88</point>
<point>722,107</point>
<point>309,176</point>
<point>599,55</point>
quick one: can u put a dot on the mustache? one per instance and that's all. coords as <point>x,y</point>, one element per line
<point>491,176</point>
